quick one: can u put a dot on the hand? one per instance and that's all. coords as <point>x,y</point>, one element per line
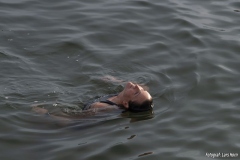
<point>111,78</point>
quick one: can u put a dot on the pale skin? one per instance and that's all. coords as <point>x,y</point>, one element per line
<point>131,92</point>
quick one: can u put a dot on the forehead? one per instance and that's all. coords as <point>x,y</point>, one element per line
<point>141,97</point>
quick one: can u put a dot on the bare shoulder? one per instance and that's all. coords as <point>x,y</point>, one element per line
<point>98,105</point>
<point>103,106</point>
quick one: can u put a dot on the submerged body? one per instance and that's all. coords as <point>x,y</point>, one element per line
<point>103,99</point>
<point>133,98</point>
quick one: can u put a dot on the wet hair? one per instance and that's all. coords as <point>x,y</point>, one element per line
<point>136,107</point>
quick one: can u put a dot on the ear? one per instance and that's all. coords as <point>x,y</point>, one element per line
<point>125,104</point>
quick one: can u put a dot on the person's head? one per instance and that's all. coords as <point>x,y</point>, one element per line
<point>136,98</point>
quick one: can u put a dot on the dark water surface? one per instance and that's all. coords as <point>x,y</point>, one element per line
<point>55,52</point>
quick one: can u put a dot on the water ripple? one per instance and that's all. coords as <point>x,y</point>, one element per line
<point>56,53</point>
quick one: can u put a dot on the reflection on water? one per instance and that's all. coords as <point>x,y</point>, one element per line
<point>54,53</point>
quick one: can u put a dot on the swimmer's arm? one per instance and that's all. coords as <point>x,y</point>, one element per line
<point>109,78</point>
<point>62,120</point>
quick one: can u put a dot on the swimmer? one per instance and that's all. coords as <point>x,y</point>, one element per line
<point>133,98</point>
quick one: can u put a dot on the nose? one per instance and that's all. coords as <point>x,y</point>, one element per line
<point>137,87</point>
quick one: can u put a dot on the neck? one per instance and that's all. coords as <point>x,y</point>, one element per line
<point>117,99</point>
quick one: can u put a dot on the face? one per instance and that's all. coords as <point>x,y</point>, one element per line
<point>134,92</point>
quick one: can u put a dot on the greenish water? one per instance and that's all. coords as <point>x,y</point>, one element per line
<point>186,52</point>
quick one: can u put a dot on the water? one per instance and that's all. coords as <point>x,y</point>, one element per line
<point>186,52</point>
